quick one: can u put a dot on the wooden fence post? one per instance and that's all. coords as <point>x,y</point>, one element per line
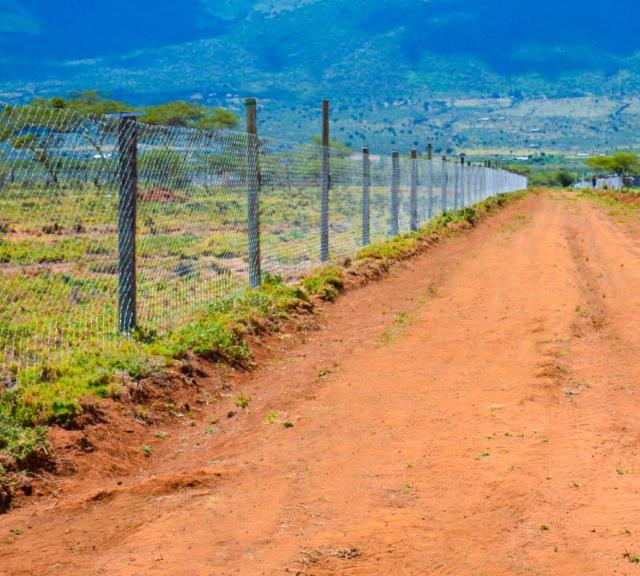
<point>444,191</point>
<point>414,192</point>
<point>253,193</point>
<point>127,219</point>
<point>325,185</point>
<point>366,201</point>
<point>395,189</point>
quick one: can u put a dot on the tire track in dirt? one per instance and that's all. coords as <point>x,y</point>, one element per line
<point>479,416</point>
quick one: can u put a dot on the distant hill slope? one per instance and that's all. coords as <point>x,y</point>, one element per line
<point>409,54</point>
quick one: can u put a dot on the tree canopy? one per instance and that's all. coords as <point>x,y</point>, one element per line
<point>620,163</point>
<point>175,113</point>
<point>88,103</point>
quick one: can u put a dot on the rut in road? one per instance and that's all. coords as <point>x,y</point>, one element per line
<point>478,415</point>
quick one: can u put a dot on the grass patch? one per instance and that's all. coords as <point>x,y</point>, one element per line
<point>393,249</point>
<point>400,323</point>
<point>405,245</point>
<point>326,282</point>
<point>55,394</point>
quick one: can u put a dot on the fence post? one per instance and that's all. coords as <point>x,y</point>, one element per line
<point>456,185</point>
<point>127,216</point>
<point>414,191</point>
<point>474,177</point>
<point>366,202</point>
<point>253,193</point>
<point>462,182</point>
<point>430,191</point>
<point>444,191</point>
<point>395,186</point>
<point>326,184</point>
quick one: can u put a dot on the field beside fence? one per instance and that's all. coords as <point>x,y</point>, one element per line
<point>68,268</point>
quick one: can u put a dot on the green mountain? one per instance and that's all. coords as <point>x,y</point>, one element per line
<point>491,73</point>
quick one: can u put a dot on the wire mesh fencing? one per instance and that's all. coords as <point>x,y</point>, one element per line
<point>109,223</point>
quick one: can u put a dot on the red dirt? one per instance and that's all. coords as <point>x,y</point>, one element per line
<point>161,195</point>
<point>474,413</point>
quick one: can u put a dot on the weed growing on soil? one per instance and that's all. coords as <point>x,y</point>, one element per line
<point>632,557</point>
<point>271,417</point>
<point>400,322</point>
<point>242,401</point>
<point>147,450</point>
<point>544,527</point>
<point>287,424</point>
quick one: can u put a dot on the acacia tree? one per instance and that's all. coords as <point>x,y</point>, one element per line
<point>623,164</point>
<point>84,110</point>
<point>27,128</point>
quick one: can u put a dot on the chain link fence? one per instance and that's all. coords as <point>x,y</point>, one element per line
<point>109,223</point>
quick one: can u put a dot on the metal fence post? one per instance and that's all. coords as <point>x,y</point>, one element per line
<point>325,185</point>
<point>395,187</point>
<point>366,202</point>
<point>253,193</point>
<point>444,191</point>
<point>414,191</point>
<point>127,215</point>
<point>430,191</point>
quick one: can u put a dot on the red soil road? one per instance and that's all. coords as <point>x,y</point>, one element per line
<point>479,416</point>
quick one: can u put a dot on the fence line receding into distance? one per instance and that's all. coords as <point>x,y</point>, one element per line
<point>111,223</point>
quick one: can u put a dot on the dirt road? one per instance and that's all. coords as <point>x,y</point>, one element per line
<point>476,413</point>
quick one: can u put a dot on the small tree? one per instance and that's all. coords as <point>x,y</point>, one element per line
<point>89,103</point>
<point>85,108</point>
<point>623,164</point>
<point>565,179</point>
<point>189,114</point>
<point>217,119</point>
<point>176,113</point>
<point>26,129</point>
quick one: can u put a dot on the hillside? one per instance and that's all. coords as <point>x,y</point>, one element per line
<point>403,66</point>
